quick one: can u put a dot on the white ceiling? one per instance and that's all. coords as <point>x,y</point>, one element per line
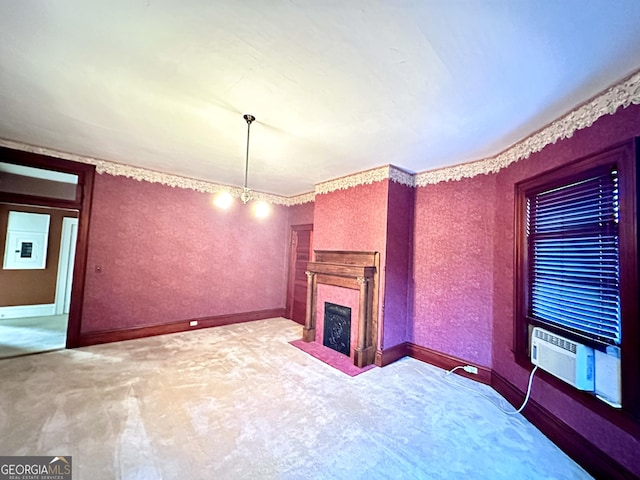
<point>337,86</point>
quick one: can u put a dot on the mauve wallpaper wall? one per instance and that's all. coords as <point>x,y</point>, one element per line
<point>301,214</point>
<point>608,130</point>
<point>453,268</point>
<point>167,254</point>
<point>398,264</point>
<point>353,219</point>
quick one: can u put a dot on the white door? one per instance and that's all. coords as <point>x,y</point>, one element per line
<point>65,264</point>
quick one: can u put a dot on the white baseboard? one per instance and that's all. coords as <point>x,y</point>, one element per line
<point>21,311</point>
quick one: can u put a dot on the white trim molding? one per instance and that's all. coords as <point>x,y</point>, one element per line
<point>23,311</point>
<point>300,199</point>
<point>361,178</point>
<point>402,177</point>
<point>142,174</point>
<point>367,177</point>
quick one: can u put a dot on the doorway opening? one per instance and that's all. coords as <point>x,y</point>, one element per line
<point>35,299</point>
<point>41,305</point>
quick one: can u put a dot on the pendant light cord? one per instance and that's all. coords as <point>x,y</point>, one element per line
<point>249,119</point>
<point>246,161</point>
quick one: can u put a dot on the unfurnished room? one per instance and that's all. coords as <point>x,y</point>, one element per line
<point>319,239</point>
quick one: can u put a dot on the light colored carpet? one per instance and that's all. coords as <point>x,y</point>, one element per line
<point>239,402</point>
<point>22,336</point>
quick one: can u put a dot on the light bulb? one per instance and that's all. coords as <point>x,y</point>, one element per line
<point>223,200</point>
<point>261,209</point>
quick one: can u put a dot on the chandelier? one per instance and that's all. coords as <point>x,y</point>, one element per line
<point>224,200</point>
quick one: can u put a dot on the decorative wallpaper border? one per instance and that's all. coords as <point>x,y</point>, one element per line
<point>367,177</point>
<point>402,177</point>
<point>143,174</point>
<point>623,94</point>
<point>300,199</point>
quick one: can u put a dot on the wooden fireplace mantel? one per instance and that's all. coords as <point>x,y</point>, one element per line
<point>340,275</point>
<point>354,270</point>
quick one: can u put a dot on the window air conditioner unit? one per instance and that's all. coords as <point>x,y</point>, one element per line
<point>569,361</point>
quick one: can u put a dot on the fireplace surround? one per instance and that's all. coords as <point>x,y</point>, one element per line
<point>354,270</point>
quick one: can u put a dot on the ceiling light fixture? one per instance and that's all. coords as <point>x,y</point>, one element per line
<point>246,192</point>
<point>223,200</point>
<point>261,209</point>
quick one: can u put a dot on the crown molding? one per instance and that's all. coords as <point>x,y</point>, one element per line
<point>361,178</point>
<point>367,177</point>
<point>300,199</point>
<point>402,177</point>
<point>623,94</point>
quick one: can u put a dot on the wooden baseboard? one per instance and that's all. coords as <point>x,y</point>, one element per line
<point>424,354</point>
<point>107,336</point>
<point>447,362</point>
<point>392,354</point>
<point>590,457</point>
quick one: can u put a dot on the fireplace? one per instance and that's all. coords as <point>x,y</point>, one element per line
<point>354,271</point>
<point>337,328</point>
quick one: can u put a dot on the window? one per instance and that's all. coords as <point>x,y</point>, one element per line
<point>577,261</point>
<point>572,242</point>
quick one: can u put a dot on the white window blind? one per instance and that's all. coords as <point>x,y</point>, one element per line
<point>573,257</point>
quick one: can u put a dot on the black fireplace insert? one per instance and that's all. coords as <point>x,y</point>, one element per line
<point>337,328</point>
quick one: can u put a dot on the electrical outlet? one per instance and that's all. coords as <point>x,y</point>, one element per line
<point>193,323</point>
<point>471,369</point>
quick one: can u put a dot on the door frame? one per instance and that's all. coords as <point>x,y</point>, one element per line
<point>64,281</point>
<point>82,203</point>
<point>291,269</point>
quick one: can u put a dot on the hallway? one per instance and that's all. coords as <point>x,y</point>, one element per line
<point>23,336</point>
